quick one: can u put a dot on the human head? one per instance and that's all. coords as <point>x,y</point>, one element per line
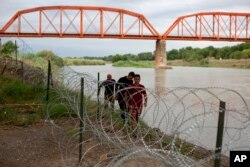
<point>137,78</point>
<point>109,76</point>
<point>131,75</point>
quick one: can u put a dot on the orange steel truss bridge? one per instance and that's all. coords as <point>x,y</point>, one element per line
<point>104,22</point>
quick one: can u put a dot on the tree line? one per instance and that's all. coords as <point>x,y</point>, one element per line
<point>240,51</point>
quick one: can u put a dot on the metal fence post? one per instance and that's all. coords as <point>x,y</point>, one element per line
<point>98,96</point>
<point>16,51</point>
<point>22,70</point>
<point>48,80</point>
<point>81,119</point>
<point>220,129</point>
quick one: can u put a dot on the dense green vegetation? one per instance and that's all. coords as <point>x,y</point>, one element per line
<point>189,54</point>
<point>14,97</point>
<point>130,63</point>
<point>82,61</point>
<point>23,104</point>
<point>13,91</point>
<point>228,63</point>
<point>141,56</point>
<point>240,51</point>
<point>8,48</point>
<point>41,58</point>
<point>210,56</point>
<point>22,101</point>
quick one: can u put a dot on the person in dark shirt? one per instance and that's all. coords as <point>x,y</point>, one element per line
<point>109,85</point>
<point>136,98</point>
<point>122,84</point>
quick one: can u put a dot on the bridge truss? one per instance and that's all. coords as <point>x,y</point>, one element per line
<point>103,22</point>
<point>79,22</point>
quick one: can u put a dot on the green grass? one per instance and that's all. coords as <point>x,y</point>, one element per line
<point>82,61</point>
<point>40,60</point>
<point>18,118</point>
<point>138,64</point>
<point>13,90</point>
<point>59,110</point>
<point>226,63</point>
<point>34,59</point>
<point>17,101</point>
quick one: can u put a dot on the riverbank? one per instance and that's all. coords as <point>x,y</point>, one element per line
<point>137,64</point>
<point>82,61</point>
<point>222,63</point>
<point>226,63</point>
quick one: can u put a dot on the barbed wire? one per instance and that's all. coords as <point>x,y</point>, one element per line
<point>23,46</point>
<point>177,128</point>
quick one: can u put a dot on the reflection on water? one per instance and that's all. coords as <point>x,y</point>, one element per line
<point>160,81</point>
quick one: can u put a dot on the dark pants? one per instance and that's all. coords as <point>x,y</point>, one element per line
<point>109,99</point>
<point>123,107</point>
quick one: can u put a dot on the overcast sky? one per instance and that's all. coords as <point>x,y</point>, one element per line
<point>160,13</point>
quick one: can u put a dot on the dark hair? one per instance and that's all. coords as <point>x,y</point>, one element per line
<point>137,75</point>
<point>131,74</point>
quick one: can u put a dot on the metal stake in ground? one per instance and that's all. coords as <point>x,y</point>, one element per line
<point>220,129</point>
<point>98,96</point>
<point>16,51</point>
<point>81,119</point>
<point>22,71</point>
<point>48,80</point>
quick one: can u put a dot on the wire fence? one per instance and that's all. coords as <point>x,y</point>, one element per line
<point>21,70</point>
<point>16,66</point>
<point>177,128</point>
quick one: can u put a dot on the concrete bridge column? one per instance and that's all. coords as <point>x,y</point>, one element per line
<point>160,54</point>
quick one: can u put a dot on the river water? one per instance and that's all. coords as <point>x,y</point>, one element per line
<point>184,101</point>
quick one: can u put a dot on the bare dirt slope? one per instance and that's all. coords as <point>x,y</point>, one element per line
<point>28,147</point>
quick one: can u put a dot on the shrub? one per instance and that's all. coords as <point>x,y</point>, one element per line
<point>14,90</point>
<point>49,55</point>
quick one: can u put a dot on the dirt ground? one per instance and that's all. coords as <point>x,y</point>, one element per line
<point>28,147</point>
<point>45,145</point>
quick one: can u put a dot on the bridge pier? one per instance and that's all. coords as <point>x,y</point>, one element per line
<point>160,54</point>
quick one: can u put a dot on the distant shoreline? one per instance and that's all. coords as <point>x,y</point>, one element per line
<point>223,63</point>
<point>227,63</point>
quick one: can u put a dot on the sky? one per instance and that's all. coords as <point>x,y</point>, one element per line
<point>160,13</point>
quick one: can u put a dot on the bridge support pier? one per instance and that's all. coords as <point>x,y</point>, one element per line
<point>160,54</point>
